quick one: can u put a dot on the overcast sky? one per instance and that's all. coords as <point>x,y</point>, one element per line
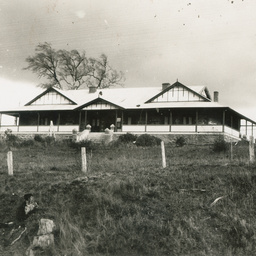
<point>198,42</point>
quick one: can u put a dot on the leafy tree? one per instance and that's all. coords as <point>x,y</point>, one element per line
<point>71,69</point>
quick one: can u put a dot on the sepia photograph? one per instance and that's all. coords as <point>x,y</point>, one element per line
<point>127,128</point>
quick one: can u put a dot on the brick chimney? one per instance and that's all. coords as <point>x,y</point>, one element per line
<point>216,96</point>
<point>92,89</point>
<point>165,85</point>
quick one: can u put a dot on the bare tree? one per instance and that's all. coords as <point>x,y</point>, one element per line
<point>71,69</point>
<point>74,70</point>
<point>102,74</point>
<point>45,64</point>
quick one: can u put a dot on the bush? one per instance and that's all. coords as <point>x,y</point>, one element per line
<point>7,132</point>
<point>27,143</point>
<point>180,142</point>
<point>147,140</point>
<point>74,131</point>
<point>11,139</point>
<point>49,139</point>
<point>127,138</point>
<point>2,143</point>
<point>220,145</point>
<point>38,138</point>
<point>118,144</point>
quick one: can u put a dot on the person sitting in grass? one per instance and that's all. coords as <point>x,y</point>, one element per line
<point>27,208</point>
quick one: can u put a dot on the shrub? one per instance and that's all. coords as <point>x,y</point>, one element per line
<point>7,132</point>
<point>118,144</point>
<point>2,143</point>
<point>49,139</point>
<point>180,142</point>
<point>27,143</point>
<point>10,138</point>
<point>220,145</point>
<point>74,131</point>
<point>127,138</point>
<point>38,138</point>
<point>146,140</point>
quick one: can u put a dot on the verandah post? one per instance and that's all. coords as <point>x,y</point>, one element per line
<point>38,122</point>
<point>116,120</point>
<point>163,155</point>
<point>58,122</point>
<point>18,128</point>
<point>85,117</point>
<point>10,163</point>
<point>84,163</point>
<point>246,128</point>
<point>122,120</point>
<point>170,127</point>
<point>80,119</point>
<point>223,120</point>
<point>146,120</point>
<point>231,144</point>
<point>196,128</point>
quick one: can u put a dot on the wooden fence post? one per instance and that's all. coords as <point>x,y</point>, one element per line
<point>10,163</point>
<point>231,150</point>
<point>251,150</point>
<point>84,163</point>
<point>163,155</point>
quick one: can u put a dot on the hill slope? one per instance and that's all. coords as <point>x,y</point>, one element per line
<point>126,204</point>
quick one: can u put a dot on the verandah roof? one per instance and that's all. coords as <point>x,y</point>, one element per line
<point>39,108</point>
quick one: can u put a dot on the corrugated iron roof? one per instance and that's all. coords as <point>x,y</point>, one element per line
<point>39,108</point>
<point>185,104</point>
<point>124,97</point>
<point>127,98</point>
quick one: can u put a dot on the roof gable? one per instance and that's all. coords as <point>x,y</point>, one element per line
<point>120,98</point>
<point>98,104</point>
<point>51,96</point>
<point>178,92</point>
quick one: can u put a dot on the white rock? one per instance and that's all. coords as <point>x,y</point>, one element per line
<point>43,241</point>
<point>46,226</point>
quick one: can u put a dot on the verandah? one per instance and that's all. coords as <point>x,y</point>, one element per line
<point>136,120</point>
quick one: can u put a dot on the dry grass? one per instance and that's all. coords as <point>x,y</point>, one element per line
<point>129,205</point>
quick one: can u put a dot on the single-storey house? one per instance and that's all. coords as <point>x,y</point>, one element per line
<point>167,109</point>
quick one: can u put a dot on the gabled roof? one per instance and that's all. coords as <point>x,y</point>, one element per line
<point>198,90</point>
<point>99,99</point>
<point>122,97</point>
<point>49,90</point>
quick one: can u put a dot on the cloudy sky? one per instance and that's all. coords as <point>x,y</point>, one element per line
<point>198,42</point>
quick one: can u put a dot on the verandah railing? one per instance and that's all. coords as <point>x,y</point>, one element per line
<point>128,128</point>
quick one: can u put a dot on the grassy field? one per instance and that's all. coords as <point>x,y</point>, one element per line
<point>127,204</point>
